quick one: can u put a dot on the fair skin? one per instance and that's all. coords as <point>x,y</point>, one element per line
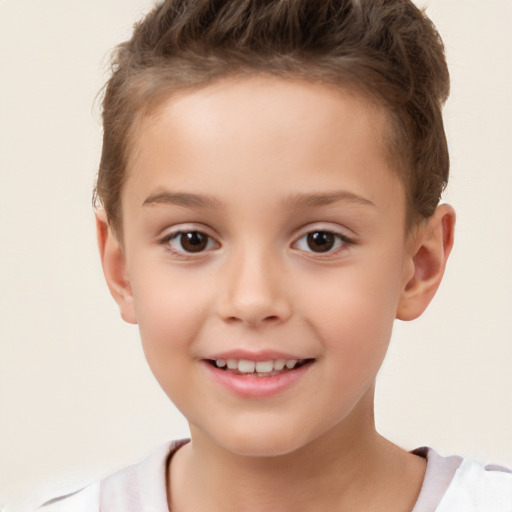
<point>263,222</point>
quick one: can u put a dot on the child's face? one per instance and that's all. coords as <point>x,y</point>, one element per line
<point>262,221</point>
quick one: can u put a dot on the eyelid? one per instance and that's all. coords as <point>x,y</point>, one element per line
<point>346,240</point>
<point>175,231</point>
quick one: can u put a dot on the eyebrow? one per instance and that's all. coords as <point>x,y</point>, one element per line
<point>310,200</point>
<point>182,199</point>
<point>325,199</point>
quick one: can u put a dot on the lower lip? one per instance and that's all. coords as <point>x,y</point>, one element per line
<point>248,386</point>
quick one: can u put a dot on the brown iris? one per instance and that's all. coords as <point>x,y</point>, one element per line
<point>193,241</point>
<point>321,241</point>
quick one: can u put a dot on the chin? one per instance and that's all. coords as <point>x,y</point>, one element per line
<point>262,447</point>
<point>258,441</point>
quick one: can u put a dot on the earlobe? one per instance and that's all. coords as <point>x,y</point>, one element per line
<point>430,249</point>
<point>114,267</point>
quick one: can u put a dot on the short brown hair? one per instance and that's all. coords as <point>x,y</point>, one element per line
<point>388,49</point>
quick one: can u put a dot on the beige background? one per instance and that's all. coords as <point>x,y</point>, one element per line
<point>76,397</point>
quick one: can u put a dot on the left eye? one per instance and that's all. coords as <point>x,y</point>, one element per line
<point>320,241</point>
<point>190,242</point>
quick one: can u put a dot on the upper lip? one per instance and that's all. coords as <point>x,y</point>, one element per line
<point>267,355</point>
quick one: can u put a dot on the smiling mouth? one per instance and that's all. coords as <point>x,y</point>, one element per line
<point>258,368</point>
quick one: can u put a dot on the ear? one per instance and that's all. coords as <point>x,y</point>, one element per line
<point>430,247</point>
<point>114,267</point>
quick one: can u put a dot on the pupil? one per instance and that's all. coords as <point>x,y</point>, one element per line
<point>320,241</point>
<point>193,241</point>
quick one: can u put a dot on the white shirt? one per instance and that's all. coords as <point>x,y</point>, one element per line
<point>451,484</point>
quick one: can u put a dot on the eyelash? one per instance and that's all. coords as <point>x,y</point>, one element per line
<point>177,235</point>
<point>339,241</point>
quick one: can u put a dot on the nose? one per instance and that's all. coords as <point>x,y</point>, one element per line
<point>252,291</point>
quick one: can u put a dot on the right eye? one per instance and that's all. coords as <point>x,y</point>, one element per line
<point>189,242</point>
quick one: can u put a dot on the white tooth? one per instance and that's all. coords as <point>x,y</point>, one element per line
<point>220,363</point>
<point>232,364</point>
<point>264,366</point>
<point>245,366</point>
<point>291,363</point>
<point>279,364</point>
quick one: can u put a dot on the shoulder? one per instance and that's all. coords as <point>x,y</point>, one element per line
<point>478,488</point>
<point>84,500</point>
<point>137,487</point>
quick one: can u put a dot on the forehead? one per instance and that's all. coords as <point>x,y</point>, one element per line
<point>272,100</point>
<point>253,133</point>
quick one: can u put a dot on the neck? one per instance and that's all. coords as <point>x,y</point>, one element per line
<point>345,469</point>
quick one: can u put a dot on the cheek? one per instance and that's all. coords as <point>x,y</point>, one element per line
<point>354,315</point>
<point>166,300</point>
<point>357,333</point>
<point>170,310</point>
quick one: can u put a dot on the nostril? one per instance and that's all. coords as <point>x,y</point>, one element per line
<point>254,321</point>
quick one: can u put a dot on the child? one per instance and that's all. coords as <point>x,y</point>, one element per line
<point>267,206</point>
